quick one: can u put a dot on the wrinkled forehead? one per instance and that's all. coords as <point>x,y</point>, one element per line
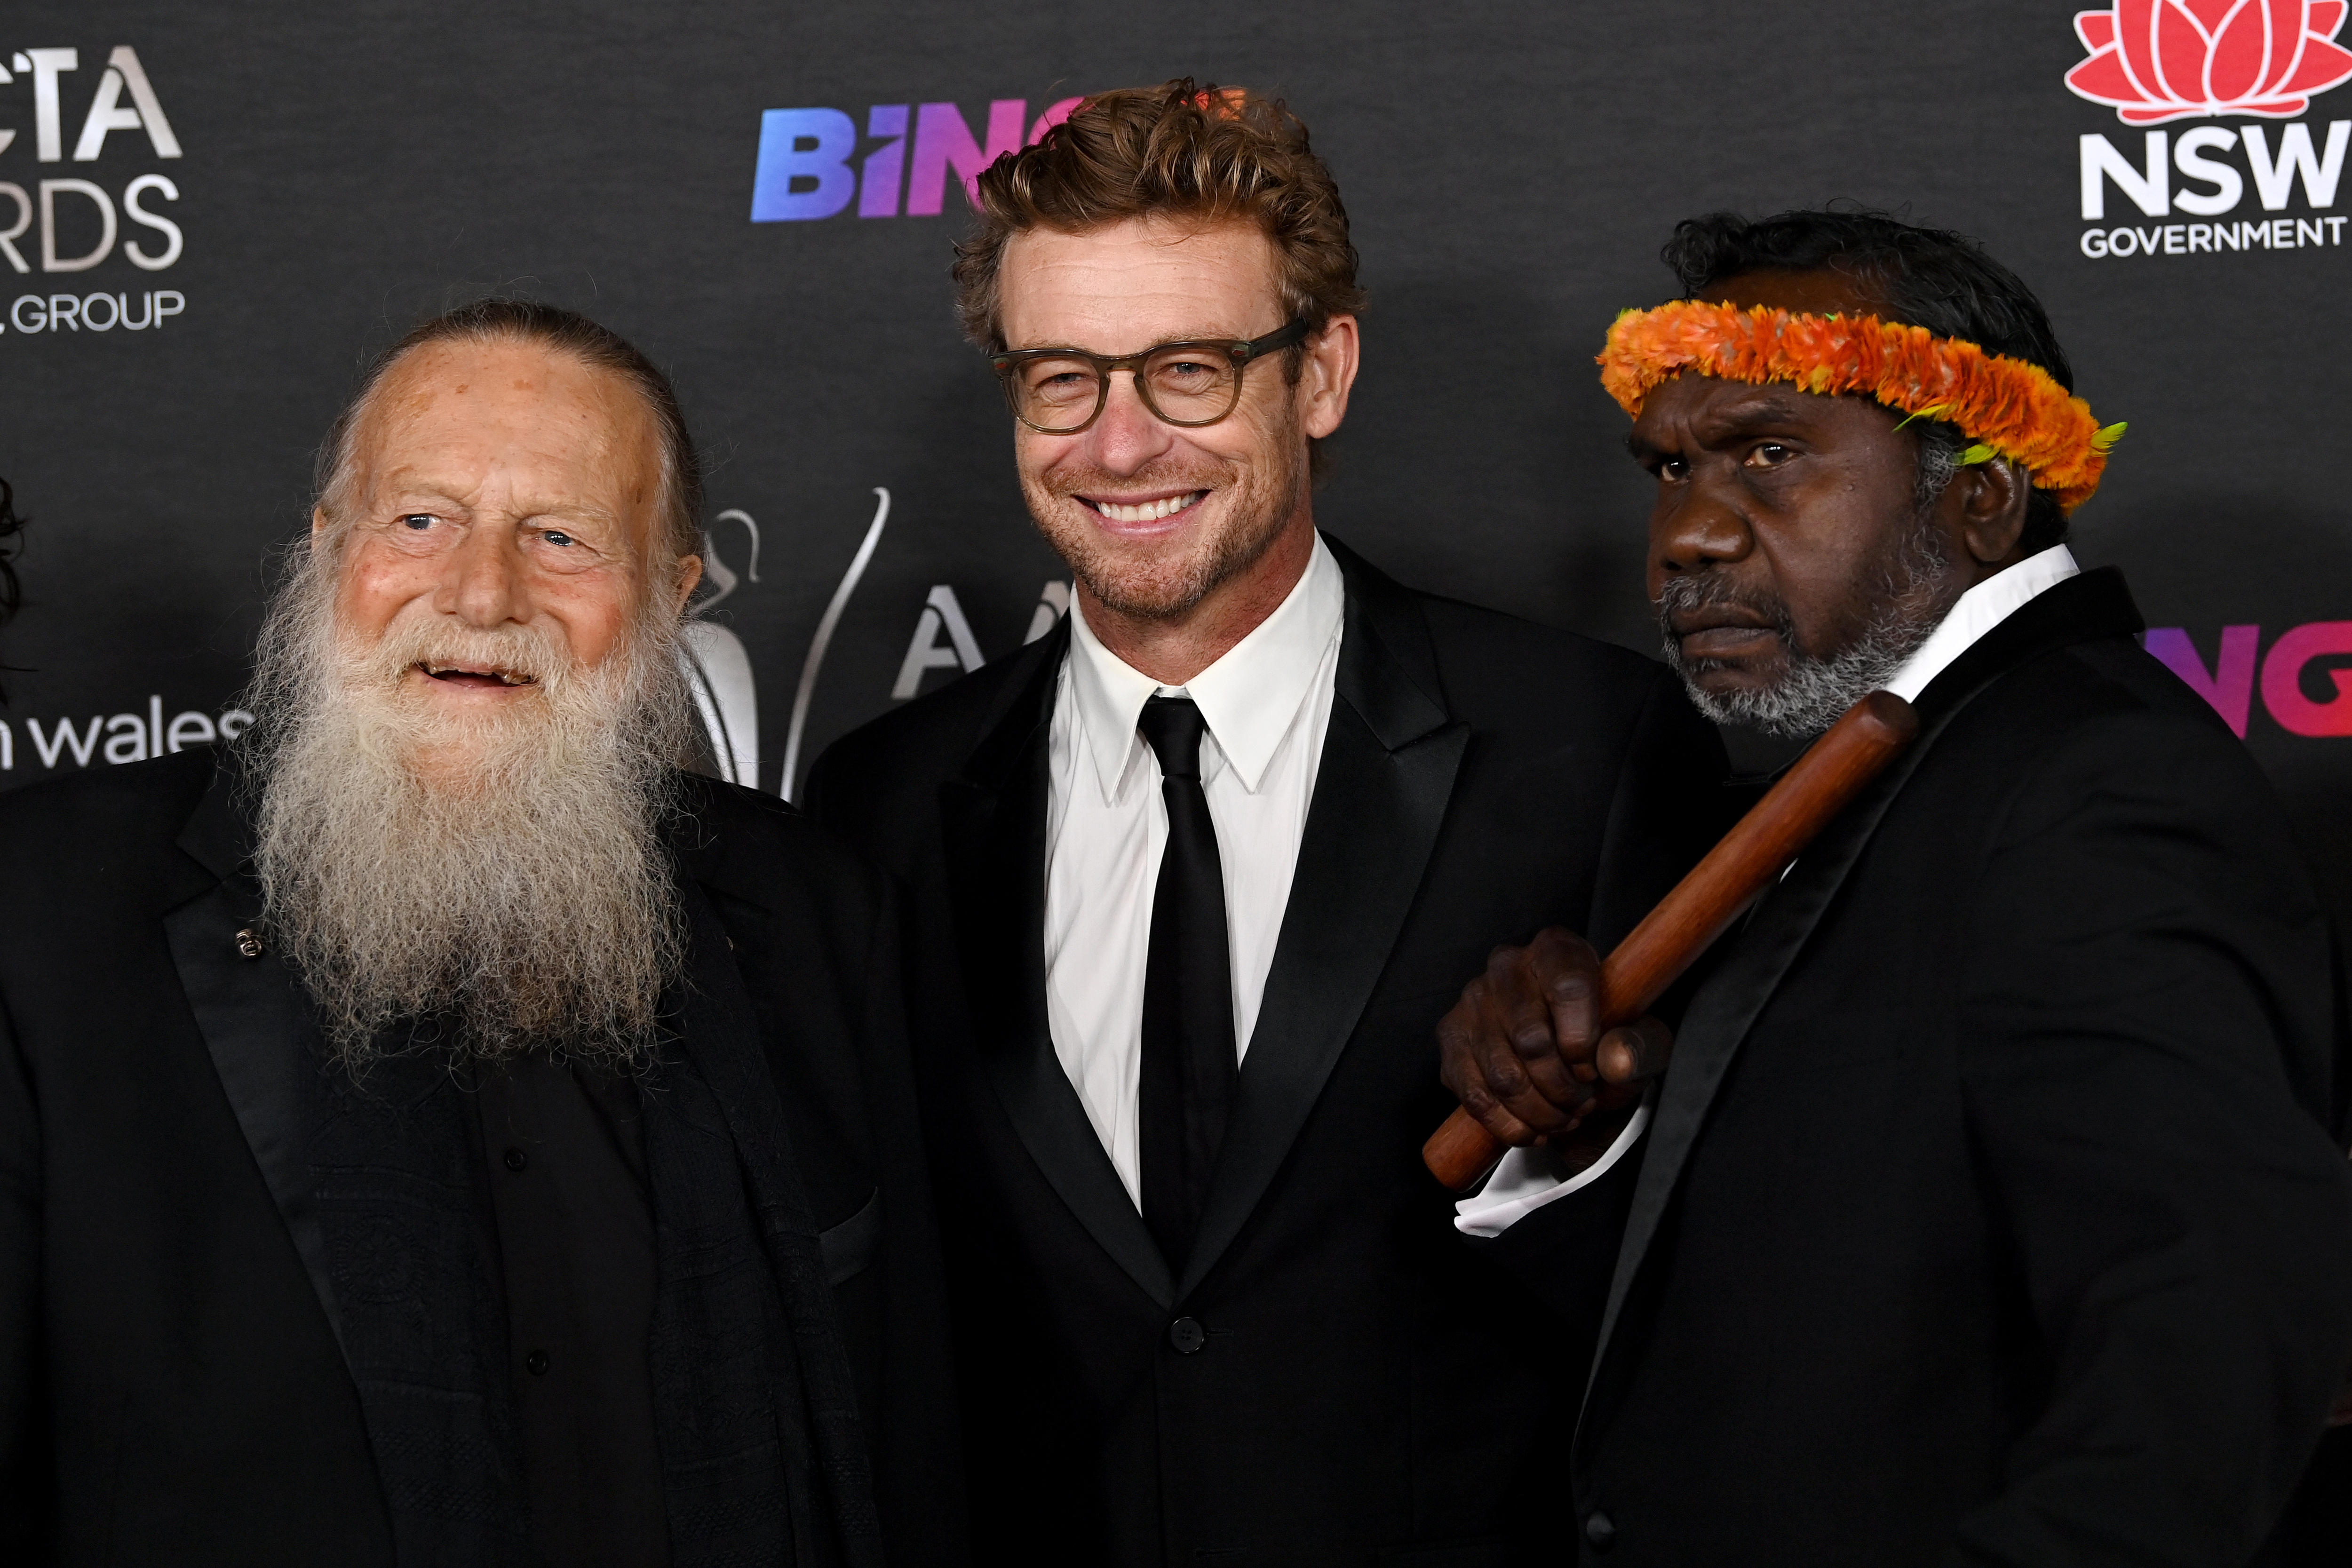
<point>1713,411</point>
<point>538,426</point>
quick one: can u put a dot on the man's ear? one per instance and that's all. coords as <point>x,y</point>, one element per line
<point>690,576</point>
<point>1992,496</point>
<point>1330,373</point>
<point>317,521</point>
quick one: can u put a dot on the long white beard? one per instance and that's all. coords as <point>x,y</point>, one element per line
<point>517,891</point>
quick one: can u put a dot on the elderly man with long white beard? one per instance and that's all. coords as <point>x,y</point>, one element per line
<point>438,1129</point>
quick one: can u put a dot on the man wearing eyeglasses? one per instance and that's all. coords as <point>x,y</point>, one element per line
<point>1191,880</point>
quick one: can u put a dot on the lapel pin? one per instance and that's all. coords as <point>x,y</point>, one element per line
<point>248,942</point>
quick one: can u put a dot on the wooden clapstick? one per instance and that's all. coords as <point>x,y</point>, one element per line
<point>1704,904</point>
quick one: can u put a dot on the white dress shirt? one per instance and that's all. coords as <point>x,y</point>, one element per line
<point>1267,703</point>
<point>1529,1178</point>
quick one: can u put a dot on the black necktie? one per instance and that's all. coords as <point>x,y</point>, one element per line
<point>1188,1071</point>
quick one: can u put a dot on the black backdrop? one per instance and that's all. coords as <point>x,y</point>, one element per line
<point>1510,170</point>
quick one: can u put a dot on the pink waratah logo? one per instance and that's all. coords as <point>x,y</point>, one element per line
<point>2175,59</point>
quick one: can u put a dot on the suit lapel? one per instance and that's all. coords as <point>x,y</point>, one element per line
<point>1387,773</point>
<point>250,1012</point>
<point>993,819</point>
<point>1727,1004</point>
<point>2095,605</point>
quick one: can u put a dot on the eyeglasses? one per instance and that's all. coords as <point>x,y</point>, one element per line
<point>1060,392</point>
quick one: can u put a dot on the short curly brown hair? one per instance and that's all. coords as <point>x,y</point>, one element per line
<point>1179,149</point>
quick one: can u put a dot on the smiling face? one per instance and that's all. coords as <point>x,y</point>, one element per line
<point>1160,523</point>
<point>499,523</point>
<point>1791,557</point>
<point>470,714</point>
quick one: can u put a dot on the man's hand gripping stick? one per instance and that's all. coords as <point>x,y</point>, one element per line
<point>1703,905</point>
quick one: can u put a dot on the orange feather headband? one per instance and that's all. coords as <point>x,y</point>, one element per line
<point>2007,408</point>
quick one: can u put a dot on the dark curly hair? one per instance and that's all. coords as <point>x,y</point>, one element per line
<point>1191,151</point>
<point>1182,150</point>
<point>12,591</point>
<point>1929,278</point>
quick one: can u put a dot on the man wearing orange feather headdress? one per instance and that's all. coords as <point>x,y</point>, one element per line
<point>1987,1213</point>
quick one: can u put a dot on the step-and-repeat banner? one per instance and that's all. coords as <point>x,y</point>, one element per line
<point>210,218</point>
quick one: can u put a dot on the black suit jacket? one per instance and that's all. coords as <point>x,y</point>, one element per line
<point>1989,1216</point>
<point>170,1386</point>
<point>1353,1400</point>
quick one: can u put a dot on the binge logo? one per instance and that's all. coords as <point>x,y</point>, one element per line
<point>2155,61</point>
<point>810,166</point>
<point>2290,671</point>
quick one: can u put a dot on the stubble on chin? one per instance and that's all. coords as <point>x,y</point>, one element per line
<point>1801,694</point>
<point>1160,579</point>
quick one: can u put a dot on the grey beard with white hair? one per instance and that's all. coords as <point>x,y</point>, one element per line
<point>516,895</point>
<point>1914,594</point>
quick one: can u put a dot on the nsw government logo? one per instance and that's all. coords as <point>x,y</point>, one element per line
<point>2169,60</point>
<point>2155,62</point>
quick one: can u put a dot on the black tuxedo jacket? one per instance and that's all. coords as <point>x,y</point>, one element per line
<point>171,1390</point>
<point>1328,1381</point>
<point>1988,1216</point>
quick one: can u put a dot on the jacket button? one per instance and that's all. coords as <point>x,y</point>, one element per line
<point>1187,1335</point>
<point>516,1159</point>
<point>536,1364</point>
<point>1599,1530</point>
<point>248,942</point>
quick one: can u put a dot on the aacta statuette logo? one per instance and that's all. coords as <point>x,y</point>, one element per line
<point>2159,61</point>
<point>2170,59</point>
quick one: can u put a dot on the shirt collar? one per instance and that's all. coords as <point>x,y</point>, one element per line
<point>1976,612</point>
<point>1250,697</point>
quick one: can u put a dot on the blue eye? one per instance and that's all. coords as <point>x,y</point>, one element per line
<point>557,536</point>
<point>419,521</point>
